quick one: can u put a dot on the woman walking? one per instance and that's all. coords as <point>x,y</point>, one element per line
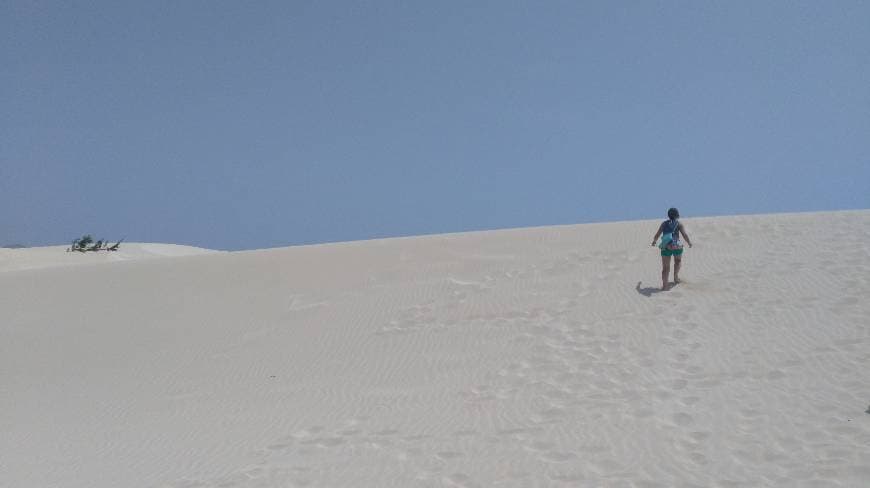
<point>670,231</point>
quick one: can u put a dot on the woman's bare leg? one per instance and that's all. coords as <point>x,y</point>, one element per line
<point>678,260</point>
<point>666,269</point>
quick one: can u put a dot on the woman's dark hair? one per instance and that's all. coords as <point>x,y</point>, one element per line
<point>673,213</point>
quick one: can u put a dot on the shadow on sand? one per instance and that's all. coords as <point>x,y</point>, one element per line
<point>649,290</point>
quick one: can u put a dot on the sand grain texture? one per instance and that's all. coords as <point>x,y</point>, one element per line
<point>537,357</point>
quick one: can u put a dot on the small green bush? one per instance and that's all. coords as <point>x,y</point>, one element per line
<point>86,243</point>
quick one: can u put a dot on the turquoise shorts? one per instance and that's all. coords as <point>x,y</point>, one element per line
<point>668,252</point>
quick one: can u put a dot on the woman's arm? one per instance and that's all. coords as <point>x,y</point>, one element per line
<point>685,236</point>
<point>658,233</point>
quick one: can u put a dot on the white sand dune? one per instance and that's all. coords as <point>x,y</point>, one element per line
<point>54,256</point>
<point>537,357</point>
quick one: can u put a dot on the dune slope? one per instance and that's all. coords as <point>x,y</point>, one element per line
<point>528,357</point>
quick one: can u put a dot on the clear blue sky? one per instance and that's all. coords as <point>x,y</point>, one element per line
<point>241,125</point>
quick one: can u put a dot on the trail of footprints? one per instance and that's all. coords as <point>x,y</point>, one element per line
<point>578,374</point>
<point>572,375</point>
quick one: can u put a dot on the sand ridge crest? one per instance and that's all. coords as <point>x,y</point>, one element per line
<point>58,256</point>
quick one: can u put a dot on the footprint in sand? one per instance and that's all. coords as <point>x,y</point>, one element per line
<point>448,455</point>
<point>700,435</point>
<point>566,478</point>
<point>539,446</point>
<point>643,413</point>
<point>325,442</point>
<point>679,334</point>
<point>681,357</point>
<point>459,480</point>
<point>776,375</point>
<point>386,432</point>
<point>683,419</point>
<point>558,457</point>
<point>309,432</point>
<point>278,447</point>
<point>699,458</point>
<point>690,400</point>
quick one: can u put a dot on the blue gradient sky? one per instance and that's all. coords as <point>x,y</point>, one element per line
<point>240,125</point>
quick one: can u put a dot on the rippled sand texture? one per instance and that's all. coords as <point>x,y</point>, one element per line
<point>540,357</point>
